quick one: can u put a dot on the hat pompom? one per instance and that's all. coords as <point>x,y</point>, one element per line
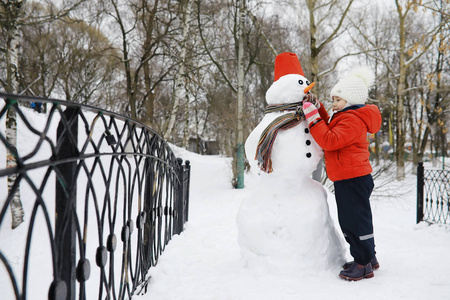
<point>365,73</point>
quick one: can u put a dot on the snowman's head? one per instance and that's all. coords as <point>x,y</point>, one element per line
<point>289,88</point>
<point>290,84</point>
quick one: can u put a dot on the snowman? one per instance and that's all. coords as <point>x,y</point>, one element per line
<point>286,222</point>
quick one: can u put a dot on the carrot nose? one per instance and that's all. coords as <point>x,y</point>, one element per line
<point>309,87</point>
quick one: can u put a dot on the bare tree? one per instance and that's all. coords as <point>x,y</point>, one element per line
<point>180,83</point>
<point>143,28</point>
<point>320,14</point>
<point>405,61</point>
<point>156,24</point>
<point>11,19</point>
<point>436,81</point>
<point>14,16</point>
<point>229,79</point>
<point>395,49</point>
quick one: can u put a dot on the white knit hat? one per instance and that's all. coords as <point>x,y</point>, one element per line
<point>355,87</point>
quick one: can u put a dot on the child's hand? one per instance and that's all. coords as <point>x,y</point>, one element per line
<point>311,98</point>
<point>311,112</point>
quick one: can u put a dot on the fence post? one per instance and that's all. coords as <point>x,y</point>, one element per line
<point>179,216</point>
<point>65,231</point>
<point>420,184</point>
<point>186,185</point>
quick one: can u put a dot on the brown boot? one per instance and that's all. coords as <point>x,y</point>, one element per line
<point>357,272</point>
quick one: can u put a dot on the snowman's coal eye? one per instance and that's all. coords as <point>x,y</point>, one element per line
<point>300,81</point>
<point>308,155</point>
<point>307,82</point>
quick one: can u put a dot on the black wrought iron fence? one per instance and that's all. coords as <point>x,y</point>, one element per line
<point>433,195</point>
<point>102,196</point>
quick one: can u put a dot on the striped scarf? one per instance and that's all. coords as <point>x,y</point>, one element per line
<point>267,138</point>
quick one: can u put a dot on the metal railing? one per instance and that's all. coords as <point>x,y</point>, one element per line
<point>433,195</point>
<point>102,196</point>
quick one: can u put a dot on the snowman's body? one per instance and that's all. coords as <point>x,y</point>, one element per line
<point>286,221</point>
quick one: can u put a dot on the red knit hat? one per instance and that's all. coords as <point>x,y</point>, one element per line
<point>287,63</point>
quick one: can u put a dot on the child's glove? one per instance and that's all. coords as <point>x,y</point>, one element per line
<point>310,97</point>
<point>311,112</point>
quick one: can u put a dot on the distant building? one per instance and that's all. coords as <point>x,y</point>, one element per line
<point>199,145</point>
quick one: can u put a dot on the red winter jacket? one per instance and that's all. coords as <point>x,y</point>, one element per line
<point>344,140</point>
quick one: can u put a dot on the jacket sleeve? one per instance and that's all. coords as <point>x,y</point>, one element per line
<point>344,133</point>
<point>323,113</point>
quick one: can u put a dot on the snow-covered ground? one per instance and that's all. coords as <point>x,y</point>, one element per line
<point>204,262</point>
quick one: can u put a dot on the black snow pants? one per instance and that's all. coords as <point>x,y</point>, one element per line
<point>355,216</point>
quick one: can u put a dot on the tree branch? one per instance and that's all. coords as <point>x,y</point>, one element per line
<point>335,31</point>
<point>219,67</point>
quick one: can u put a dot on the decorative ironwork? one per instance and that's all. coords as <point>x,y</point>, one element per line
<point>433,195</point>
<point>102,196</point>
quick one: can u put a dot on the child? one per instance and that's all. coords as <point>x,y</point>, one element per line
<point>343,136</point>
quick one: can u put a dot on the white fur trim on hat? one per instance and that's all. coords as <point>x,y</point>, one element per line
<point>355,87</point>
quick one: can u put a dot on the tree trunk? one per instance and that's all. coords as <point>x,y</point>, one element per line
<point>314,60</point>
<point>13,11</point>
<point>440,106</point>
<point>131,93</point>
<point>180,83</point>
<point>376,137</point>
<point>240,101</point>
<point>17,212</point>
<point>415,139</point>
<point>401,85</point>
<point>400,134</point>
<point>149,108</point>
<point>186,132</point>
<point>150,96</point>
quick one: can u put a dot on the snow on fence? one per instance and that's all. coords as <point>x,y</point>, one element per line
<point>102,196</point>
<point>433,195</point>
